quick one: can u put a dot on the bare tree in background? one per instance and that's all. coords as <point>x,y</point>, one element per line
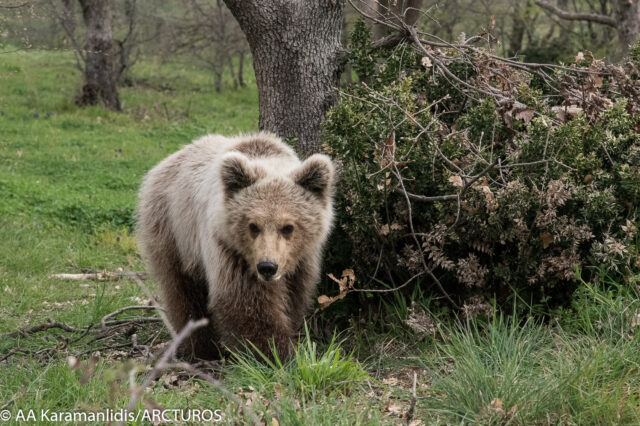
<point>68,15</point>
<point>127,55</point>
<point>102,58</point>
<point>210,33</point>
<point>624,16</point>
<point>393,11</point>
<point>99,76</point>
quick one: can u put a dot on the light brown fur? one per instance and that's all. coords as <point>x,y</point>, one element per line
<point>211,213</point>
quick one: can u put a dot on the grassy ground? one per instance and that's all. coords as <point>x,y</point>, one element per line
<point>68,181</point>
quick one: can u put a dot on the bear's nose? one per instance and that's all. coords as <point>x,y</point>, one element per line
<point>267,269</point>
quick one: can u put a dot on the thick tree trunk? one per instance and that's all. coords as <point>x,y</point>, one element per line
<point>99,74</point>
<point>297,60</point>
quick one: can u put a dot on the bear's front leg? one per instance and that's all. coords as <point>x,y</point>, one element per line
<point>257,315</point>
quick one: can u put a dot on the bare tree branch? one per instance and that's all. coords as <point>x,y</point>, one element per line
<point>17,6</point>
<point>164,364</point>
<point>569,16</point>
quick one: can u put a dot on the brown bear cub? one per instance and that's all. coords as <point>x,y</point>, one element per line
<point>233,230</point>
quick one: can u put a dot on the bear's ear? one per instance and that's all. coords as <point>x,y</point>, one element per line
<point>237,173</point>
<point>316,175</point>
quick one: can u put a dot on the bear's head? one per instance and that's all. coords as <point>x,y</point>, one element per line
<point>278,213</point>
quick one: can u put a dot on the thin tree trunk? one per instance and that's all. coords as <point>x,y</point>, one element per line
<point>627,13</point>
<point>100,82</point>
<point>234,77</point>
<point>68,16</point>
<point>297,59</point>
<point>241,69</point>
<point>217,80</point>
<point>517,34</point>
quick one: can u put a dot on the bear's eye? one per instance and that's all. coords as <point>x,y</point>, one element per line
<point>287,229</point>
<point>254,228</point>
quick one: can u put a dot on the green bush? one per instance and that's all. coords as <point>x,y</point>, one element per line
<point>536,183</point>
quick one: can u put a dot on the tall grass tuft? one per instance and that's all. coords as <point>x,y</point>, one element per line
<point>491,374</point>
<point>310,371</point>
<point>582,369</point>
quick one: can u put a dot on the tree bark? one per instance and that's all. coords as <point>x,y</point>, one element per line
<point>297,58</point>
<point>99,74</point>
<point>628,17</point>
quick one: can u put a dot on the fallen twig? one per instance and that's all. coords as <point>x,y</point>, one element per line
<point>103,321</point>
<point>14,398</point>
<point>14,351</point>
<point>100,276</point>
<point>103,348</point>
<point>414,398</point>
<point>133,320</point>
<point>42,327</point>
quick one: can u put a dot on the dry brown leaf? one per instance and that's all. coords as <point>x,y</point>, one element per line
<point>496,405</point>
<point>565,113</point>
<point>172,381</point>
<point>390,381</point>
<point>526,115</point>
<point>456,181</point>
<point>597,81</point>
<point>395,409</point>
<point>345,283</point>
<point>546,239</point>
<point>490,199</point>
<point>389,148</point>
<point>324,299</point>
<point>426,62</point>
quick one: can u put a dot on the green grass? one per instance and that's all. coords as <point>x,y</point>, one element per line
<point>68,180</point>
